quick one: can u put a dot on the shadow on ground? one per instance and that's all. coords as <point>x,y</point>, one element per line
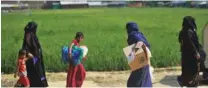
<point>169,81</point>
<point>172,81</point>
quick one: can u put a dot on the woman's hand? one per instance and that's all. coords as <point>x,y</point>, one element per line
<point>15,75</point>
<point>84,58</point>
<point>70,56</point>
<point>30,55</point>
<point>139,44</point>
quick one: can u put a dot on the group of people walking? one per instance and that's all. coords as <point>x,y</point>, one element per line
<point>31,72</point>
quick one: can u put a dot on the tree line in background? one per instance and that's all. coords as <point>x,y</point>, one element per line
<point>15,5</point>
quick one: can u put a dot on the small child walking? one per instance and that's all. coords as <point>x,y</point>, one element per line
<point>21,69</point>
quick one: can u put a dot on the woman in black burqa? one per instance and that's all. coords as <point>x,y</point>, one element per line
<point>35,66</point>
<point>191,53</point>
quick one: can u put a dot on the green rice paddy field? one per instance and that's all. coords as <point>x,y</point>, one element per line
<point>104,31</point>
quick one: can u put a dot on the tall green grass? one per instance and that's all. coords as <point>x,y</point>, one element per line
<point>104,31</point>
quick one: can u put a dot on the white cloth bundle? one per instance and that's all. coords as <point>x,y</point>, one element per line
<point>85,50</point>
<point>151,69</point>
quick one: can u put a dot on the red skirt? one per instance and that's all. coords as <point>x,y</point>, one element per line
<point>75,76</point>
<point>24,80</point>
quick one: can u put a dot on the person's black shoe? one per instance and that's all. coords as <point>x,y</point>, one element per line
<point>179,81</point>
<point>205,75</point>
<point>205,78</point>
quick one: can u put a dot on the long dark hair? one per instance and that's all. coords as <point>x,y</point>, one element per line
<point>78,35</point>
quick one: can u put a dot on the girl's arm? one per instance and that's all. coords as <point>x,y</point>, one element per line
<point>17,69</point>
<point>30,56</point>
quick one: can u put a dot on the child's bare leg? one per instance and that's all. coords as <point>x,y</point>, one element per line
<point>16,84</point>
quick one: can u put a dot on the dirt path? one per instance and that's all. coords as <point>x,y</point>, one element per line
<point>166,78</point>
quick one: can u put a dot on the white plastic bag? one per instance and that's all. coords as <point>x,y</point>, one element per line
<point>151,69</point>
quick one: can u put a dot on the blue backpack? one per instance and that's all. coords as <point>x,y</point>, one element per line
<point>65,54</point>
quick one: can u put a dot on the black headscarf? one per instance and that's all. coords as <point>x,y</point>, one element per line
<point>188,32</point>
<point>31,27</point>
<point>189,23</point>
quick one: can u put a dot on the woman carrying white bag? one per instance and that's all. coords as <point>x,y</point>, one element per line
<point>140,77</point>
